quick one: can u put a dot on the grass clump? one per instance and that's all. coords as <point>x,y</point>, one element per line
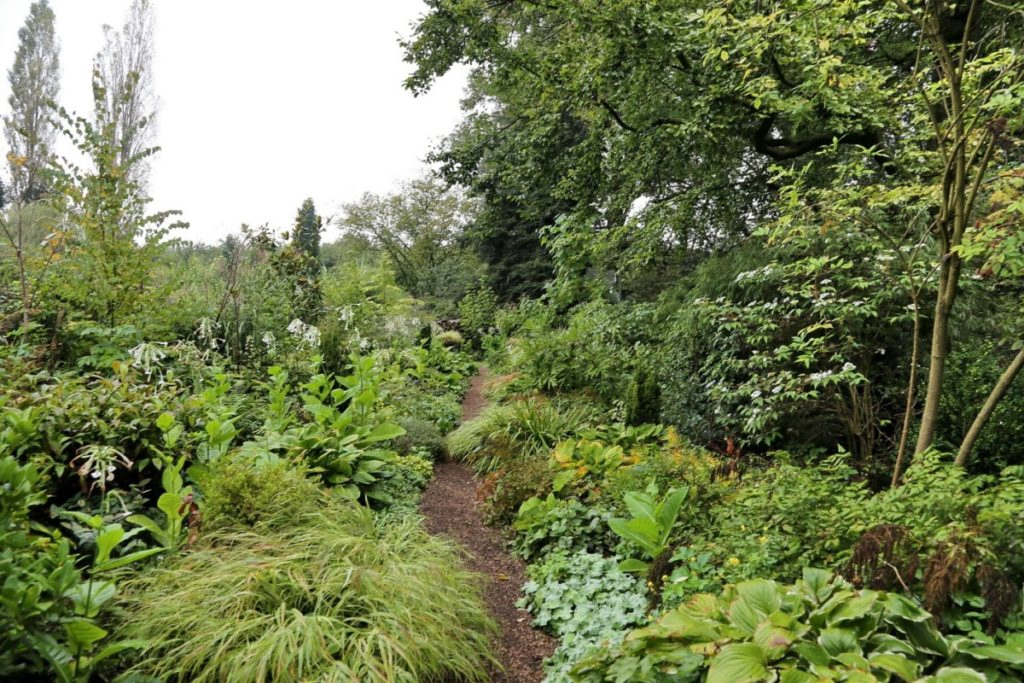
<point>337,596</point>
<point>527,426</point>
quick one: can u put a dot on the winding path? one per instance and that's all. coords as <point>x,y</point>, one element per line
<point>451,509</point>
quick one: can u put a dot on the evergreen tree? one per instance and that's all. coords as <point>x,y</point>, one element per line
<point>308,228</point>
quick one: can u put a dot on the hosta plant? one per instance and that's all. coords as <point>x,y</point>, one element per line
<point>817,630</point>
<point>582,460</point>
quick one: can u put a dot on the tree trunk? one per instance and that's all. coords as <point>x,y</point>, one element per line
<point>908,412</point>
<point>948,275</point>
<point>998,391</point>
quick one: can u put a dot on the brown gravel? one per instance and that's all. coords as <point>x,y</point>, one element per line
<point>450,508</point>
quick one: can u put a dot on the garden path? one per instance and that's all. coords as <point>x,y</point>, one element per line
<point>451,509</point>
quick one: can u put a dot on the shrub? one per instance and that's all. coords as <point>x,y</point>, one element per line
<point>548,525</point>
<point>513,486</point>
<point>420,435</point>
<point>238,491</point>
<point>451,339</point>
<point>338,597</point>
<point>525,427</point>
<point>411,475</point>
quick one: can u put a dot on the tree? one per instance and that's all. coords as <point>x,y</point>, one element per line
<point>422,229</point>
<point>913,107</point>
<point>301,261</point>
<point>34,80</point>
<point>111,241</point>
<point>126,107</point>
<point>308,229</point>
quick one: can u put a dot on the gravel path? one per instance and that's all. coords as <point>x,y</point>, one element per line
<point>451,509</point>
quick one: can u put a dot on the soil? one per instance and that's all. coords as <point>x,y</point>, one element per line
<point>451,509</point>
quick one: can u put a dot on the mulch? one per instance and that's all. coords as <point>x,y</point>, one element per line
<point>450,508</point>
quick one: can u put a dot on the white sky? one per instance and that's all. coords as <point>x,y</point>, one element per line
<point>263,102</point>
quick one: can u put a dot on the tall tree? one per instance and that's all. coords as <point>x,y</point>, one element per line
<point>696,107</point>
<point>126,108</point>
<point>308,229</point>
<point>421,228</point>
<point>34,79</point>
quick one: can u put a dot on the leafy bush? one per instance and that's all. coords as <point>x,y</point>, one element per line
<point>451,339</point>
<point>337,596</point>
<point>411,474</point>
<point>817,629</point>
<point>584,600</point>
<point>551,525</point>
<point>240,492</point>
<point>507,489</point>
<point>420,435</point>
<point>650,525</point>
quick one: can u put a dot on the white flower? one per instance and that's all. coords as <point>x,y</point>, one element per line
<point>849,367</point>
<point>777,388</point>
<point>755,393</point>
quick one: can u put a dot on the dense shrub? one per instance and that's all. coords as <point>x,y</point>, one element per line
<point>238,491</point>
<point>420,435</point>
<point>336,596</point>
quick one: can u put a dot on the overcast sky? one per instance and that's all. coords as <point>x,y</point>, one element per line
<point>263,103</point>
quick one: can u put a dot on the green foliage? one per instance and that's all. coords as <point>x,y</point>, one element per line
<point>343,440</point>
<point>241,493</point>
<point>476,312</point>
<point>49,612</point>
<point>580,460</point>
<point>817,629</point>
<point>547,525</point>
<point>420,436</point>
<point>524,427</point>
<point>650,526</point>
<point>105,272</point>
<point>334,596</point>
<point>175,503</point>
<point>508,488</point>
<point>583,599</point>
<point>410,475</point>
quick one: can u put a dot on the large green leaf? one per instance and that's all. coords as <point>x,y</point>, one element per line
<point>82,633</point>
<point>838,640</point>
<point>739,663</point>
<point>668,511</point>
<point>761,595</point>
<point>905,669</point>
<point>125,560</point>
<point>1001,653</point>
<point>383,432</point>
<point>89,596</point>
<point>795,676</point>
<point>634,566</point>
<point>773,640</point>
<point>955,674</point>
<point>106,540</point>
<point>854,608</point>
<point>640,506</point>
